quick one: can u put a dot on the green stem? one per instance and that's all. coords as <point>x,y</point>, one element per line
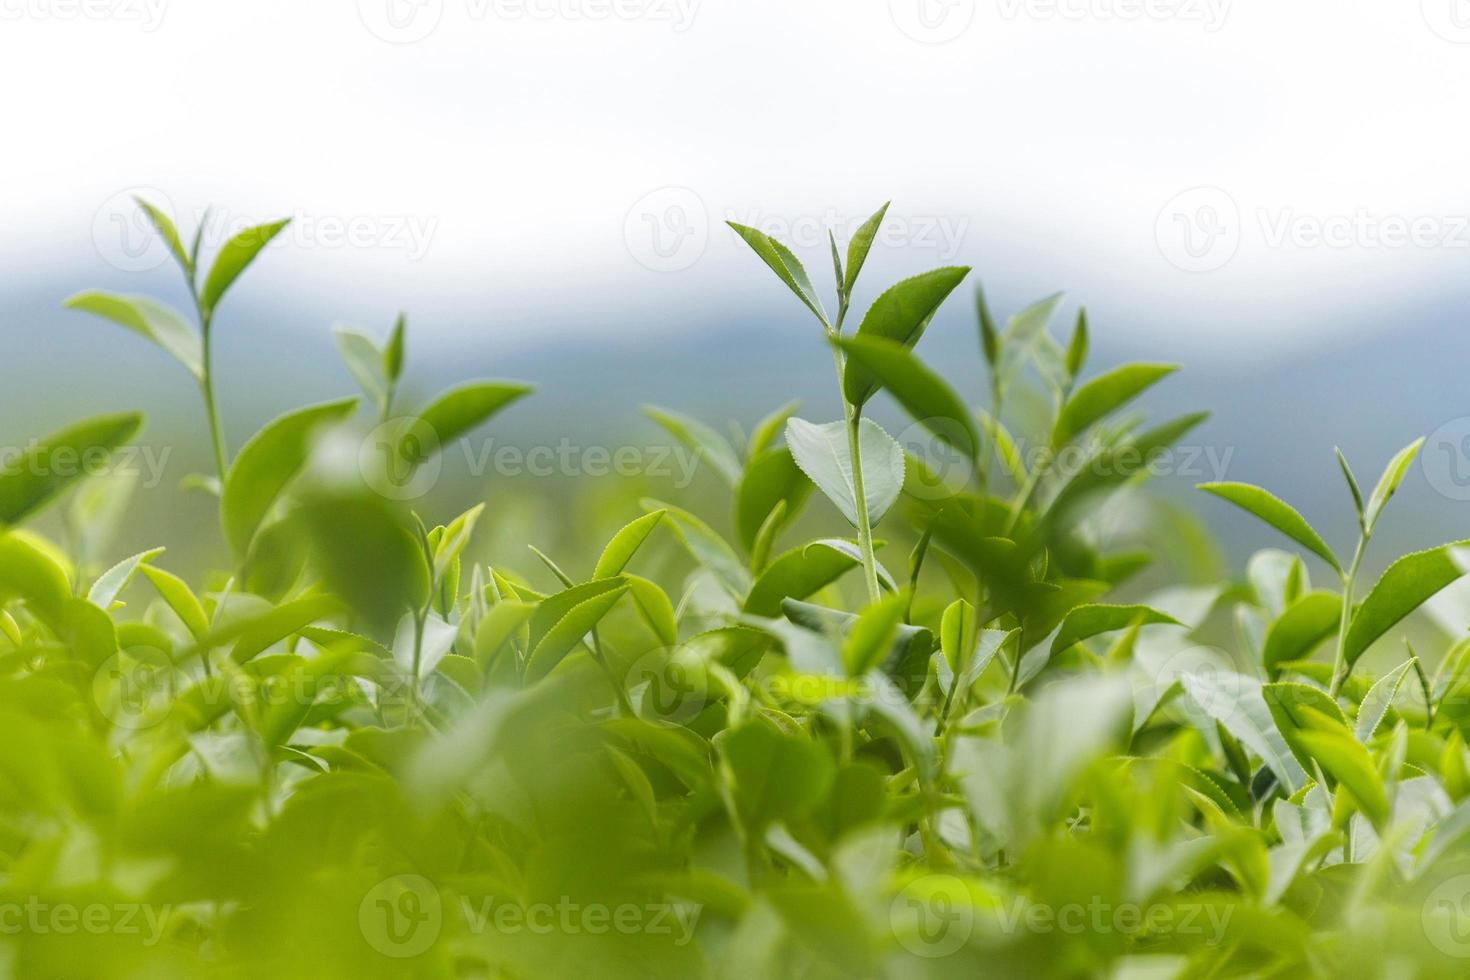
<point>206,386</point>
<point>865,529</point>
<point>1341,668</point>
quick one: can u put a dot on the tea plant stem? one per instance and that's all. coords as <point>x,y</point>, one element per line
<point>206,387</point>
<point>1341,668</point>
<point>860,498</point>
<point>865,530</point>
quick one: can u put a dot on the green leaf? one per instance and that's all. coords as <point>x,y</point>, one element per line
<point>1077,346</point>
<point>1378,700</point>
<point>168,233</point>
<point>180,599</point>
<point>266,464</point>
<point>1404,587</point>
<point>769,428</point>
<point>1276,513</point>
<point>923,393</point>
<point>149,318</point>
<point>31,570</point>
<point>234,257</point>
<point>460,409</point>
<point>1304,624</point>
<point>784,264</point>
<point>1104,395</point>
<point>1346,760</point>
<point>1236,702</point>
<point>1092,619</point>
<point>105,590</point>
<point>707,547</point>
<point>655,608</point>
<point>706,444</point>
<point>823,454</point>
<point>569,631</point>
<point>901,315</point>
<point>393,351</point>
<point>1297,707</point>
<point>871,635</point>
<point>775,776</point>
<point>957,633</point>
<point>861,245</point>
<point>1352,482</point>
<point>364,360</point>
<point>1393,475</point>
<point>797,574</point>
<point>625,544</point>
<point>51,464</point>
<point>990,339</point>
<point>771,479</point>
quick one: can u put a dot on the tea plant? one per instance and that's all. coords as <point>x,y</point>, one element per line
<point>356,750</point>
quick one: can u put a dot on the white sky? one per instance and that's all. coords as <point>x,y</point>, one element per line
<point>506,158</point>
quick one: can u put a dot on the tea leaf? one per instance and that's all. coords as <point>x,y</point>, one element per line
<point>48,466</point>
<point>1276,513</point>
<point>170,235</point>
<point>901,315</point>
<point>797,574</point>
<point>625,544</point>
<point>568,632</point>
<point>105,590</point>
<point>784,264</point>
<point>180,599</point>
<point>234,257</point>
<point>822,453</point>
<point>861,245</point>
<point>267,463</point>
<point>363,358</point>
<point>1392,476</point>
<point>1087,621</point>
<point>1404,587</point>
<point>922,393</point>
<point>1304,625</point>
<point>774,776</point>
<point>771,479</point>
<point>1104,395</point>
<point>769,428</point>
<point>700,439</point>
<point>149,318</point>
<point>1378,700</point>
<point>462,408</point>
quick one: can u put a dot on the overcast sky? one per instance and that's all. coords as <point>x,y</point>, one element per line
<point>1242,172</point>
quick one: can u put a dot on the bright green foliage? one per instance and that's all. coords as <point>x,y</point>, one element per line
<point>356,750</point>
